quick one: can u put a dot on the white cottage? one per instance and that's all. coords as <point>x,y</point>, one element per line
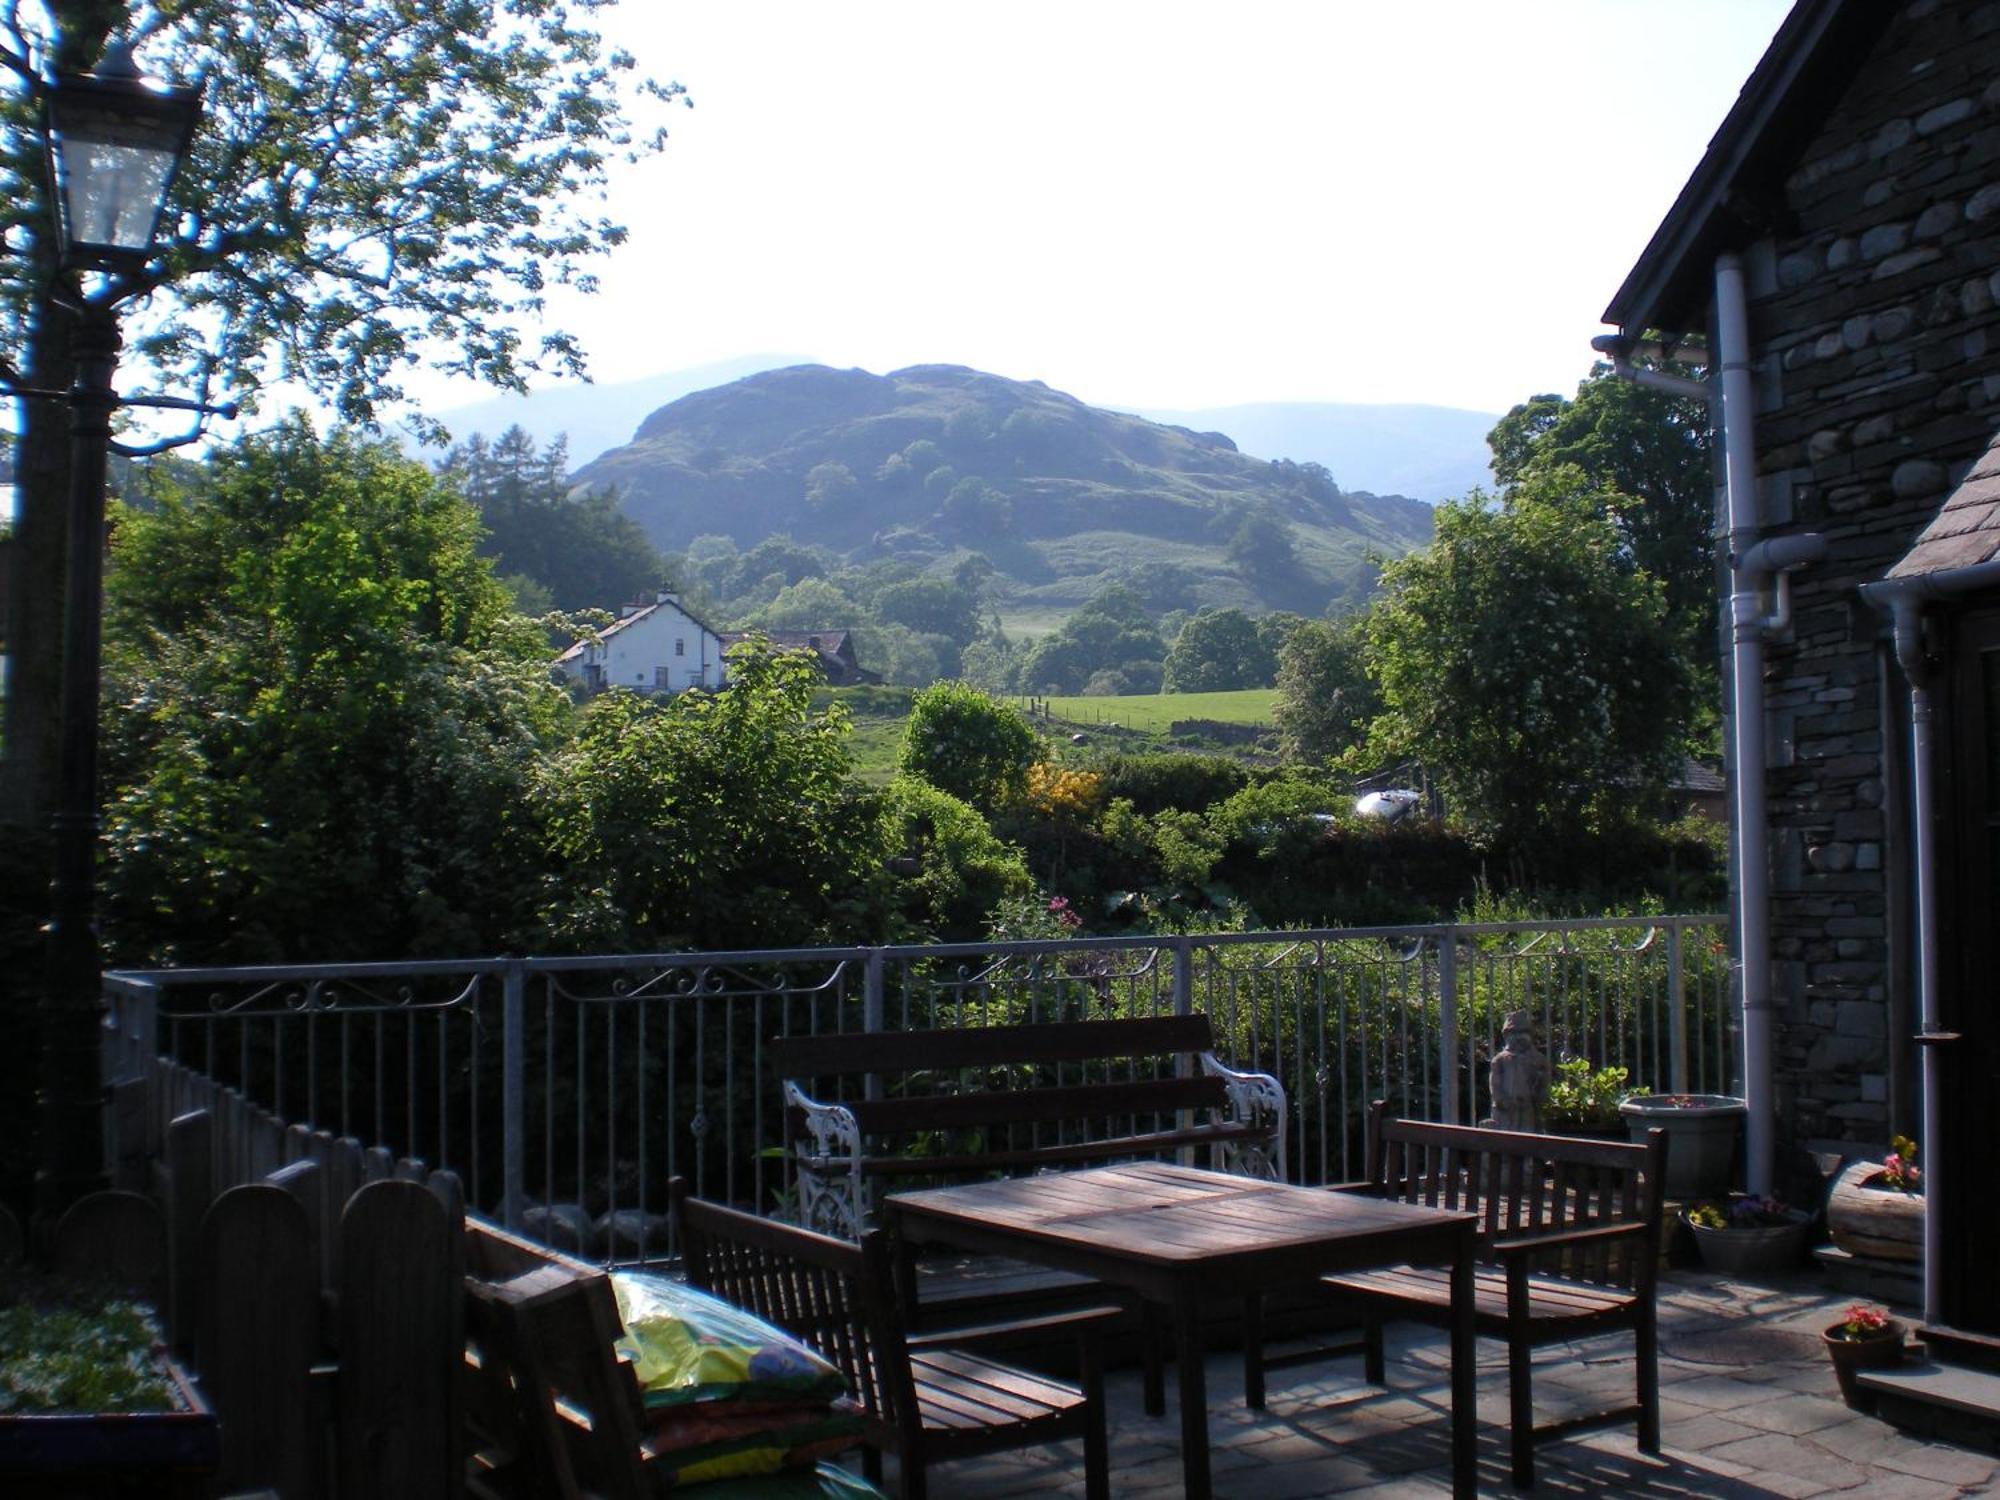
<point>654,648</point>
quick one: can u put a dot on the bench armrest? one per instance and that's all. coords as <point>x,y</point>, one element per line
<point>1086,1322</point>
<point>828,1156</point>
<point>1560,1239</point>
<point>1255,1099</point>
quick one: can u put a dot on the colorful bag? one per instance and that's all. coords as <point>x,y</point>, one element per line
<point>688,1346</point>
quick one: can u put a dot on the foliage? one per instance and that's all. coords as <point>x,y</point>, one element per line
<point>1112,632</point>
<point>1060,793</point>
<point>579,547</point>
<point>957,872</point>
<point>1899,1167</point>
<point>1188,783</point>
<point>1750,1212</point>
<point>1526,662</point>
<point>1862,1321</point>
<point>1585,1096</point>
<point>324,720</point>
<point>1647,457</point>
<point>1325,698</point>
<point>966,743</point>
<point>58,1357</point>
<point>722,820</point>
<point>1219,651</point>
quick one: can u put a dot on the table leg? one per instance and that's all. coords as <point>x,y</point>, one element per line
<point>1193,1394</point>
<point>1464,1373</point>
<point>1253,1350</point>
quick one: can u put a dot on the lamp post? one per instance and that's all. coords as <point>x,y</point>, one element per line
<point>115,140</point>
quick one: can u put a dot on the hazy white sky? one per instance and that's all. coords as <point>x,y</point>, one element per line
<point>1159,202</point>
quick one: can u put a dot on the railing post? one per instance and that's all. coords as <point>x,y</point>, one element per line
<point>1677,1037</point>
<point>1448,1022</point>
<point>1184,977</point>
<point>513,1092</point>
<point>871,1014</point>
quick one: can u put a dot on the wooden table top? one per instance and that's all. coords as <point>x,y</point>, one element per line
<point>1165,1215</point>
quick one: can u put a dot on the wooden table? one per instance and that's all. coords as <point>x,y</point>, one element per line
<point>1178,1236</point>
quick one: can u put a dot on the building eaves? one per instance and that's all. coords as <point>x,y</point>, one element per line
<point>1966,530</point>
<point>1736,193</point>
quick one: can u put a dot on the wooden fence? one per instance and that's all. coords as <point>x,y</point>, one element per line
<point>314,1285</point>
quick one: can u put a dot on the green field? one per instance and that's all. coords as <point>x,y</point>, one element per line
<point>1153,713</point>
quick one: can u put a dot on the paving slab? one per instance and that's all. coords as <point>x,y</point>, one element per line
<point>1749,1410</point>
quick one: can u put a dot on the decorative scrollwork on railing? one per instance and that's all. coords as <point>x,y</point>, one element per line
<point>704,981</point>
<point>336,996</point>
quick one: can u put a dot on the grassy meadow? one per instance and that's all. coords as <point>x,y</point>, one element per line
<point>1155,713</point>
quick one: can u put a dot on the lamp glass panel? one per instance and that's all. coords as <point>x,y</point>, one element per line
<point>112,190</point>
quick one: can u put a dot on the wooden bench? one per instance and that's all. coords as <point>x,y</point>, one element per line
<point>1570,1244</point>
<point>864,1108</point>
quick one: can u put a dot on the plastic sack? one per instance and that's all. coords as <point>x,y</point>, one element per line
<point>687,1346</point>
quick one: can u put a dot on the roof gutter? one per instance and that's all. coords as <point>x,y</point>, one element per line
<point>1753,561</point>
<point>1903,601</point>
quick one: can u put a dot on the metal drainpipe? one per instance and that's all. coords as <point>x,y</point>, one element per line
<point>1753,911</point>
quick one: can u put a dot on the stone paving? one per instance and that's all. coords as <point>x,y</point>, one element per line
<point>1748,1408</point>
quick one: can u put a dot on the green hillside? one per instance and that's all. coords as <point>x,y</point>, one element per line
<point>936,463</point>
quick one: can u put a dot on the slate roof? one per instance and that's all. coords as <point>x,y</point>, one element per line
<point>1966,529</point>
<point>1736,193</point>
<point>642,612</point>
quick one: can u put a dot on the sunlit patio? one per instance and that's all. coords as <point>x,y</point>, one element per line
<point>1749,1406</point>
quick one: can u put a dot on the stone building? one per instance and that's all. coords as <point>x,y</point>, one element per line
<point>1834,267</point>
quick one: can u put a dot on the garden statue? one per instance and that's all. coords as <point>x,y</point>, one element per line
<point>1518,1077</point>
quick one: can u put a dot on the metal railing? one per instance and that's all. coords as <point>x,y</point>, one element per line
<point>591,1081</point>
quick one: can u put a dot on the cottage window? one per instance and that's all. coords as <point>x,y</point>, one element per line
<point>661,678</point>
<point>680,648</point>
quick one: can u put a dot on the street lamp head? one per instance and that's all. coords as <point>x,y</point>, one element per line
<point>115,139</point>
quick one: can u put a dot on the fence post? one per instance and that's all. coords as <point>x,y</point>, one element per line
<point>1184,977</point>
<point>1448,1022</point>
<point>513,1092</point>
<point>1677,1037</point>
<point>871,1014</point>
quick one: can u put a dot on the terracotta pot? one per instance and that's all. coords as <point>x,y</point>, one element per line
<point>1878,1352</point>
<point>1865,1218</point>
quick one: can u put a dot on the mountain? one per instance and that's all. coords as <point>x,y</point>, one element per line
<point>595,417</point>
<point>937,462</point>
<point>1431,452</point>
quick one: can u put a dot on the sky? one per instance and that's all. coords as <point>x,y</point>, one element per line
<point>1156,203</point>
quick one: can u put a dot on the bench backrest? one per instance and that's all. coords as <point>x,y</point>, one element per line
<point>836,1296</point>
<point>1521,1184</point>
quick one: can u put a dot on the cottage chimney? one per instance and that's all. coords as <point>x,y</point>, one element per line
<point>668,598</point>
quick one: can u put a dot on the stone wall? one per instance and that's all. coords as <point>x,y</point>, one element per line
<point>1876,319</point>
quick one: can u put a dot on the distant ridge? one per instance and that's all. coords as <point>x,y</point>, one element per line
<point>1430,452</point>
<point>935,463</point>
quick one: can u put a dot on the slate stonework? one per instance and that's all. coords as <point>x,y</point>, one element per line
<point>1876,322</point>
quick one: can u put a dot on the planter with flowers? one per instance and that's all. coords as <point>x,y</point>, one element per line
<point>1749,1234</point>
<point>1876,1208</point>
<point>1867,1338</point>
<point>1702,1130</point>
<point>1583,1101</point>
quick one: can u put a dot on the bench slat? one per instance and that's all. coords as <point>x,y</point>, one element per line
<point>1070,1151</point>
<point>834,1054</point>
<point>1032,1106</point>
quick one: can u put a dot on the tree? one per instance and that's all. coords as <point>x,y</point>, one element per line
<point>1527,661</point>
<point>1112,632</point>
<point>713,820</point>
<point>375,184</point>
<point>963,742</point>
<point>580,547</point>
<point>1325,696</point>
<point>1647,456</point>
<point>935,606</point>
<point>325,724</point>
<point>1218,651</point>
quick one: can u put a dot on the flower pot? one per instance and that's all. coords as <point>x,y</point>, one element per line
<point>1864,1217</point>
<point>1701,1138</point>
<point>1876,1352</point>
<point>1774,1247</point>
